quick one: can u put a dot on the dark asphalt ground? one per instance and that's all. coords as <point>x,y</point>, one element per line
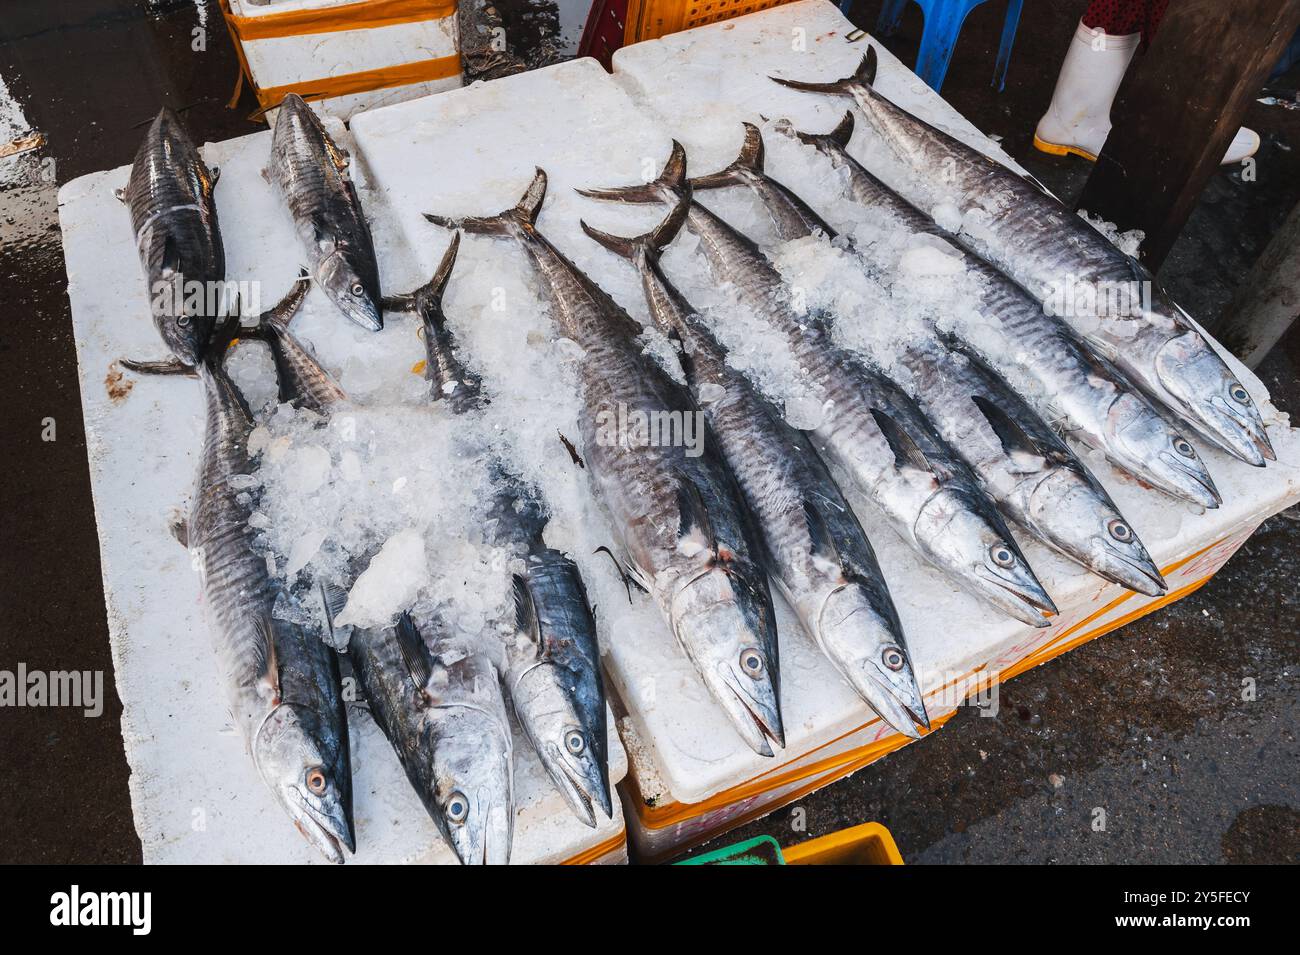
<point>1147,724</point>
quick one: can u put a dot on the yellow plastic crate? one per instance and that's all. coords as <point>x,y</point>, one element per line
<point>867,844</point>
<point>651,19</point>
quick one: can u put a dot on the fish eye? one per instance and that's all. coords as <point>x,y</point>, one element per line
<point>182,320</point>
<point>1120,531</point>
<point>1184,447</point>
<point>1002,555</point>
<point>1239,394</point>
<point>317,782</point>
<point>893,658</point>
<point>575,742</point>
<point>751,663</point>
<point>457,807</point>
<point>358,289</point>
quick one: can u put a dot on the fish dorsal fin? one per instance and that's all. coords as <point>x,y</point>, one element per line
<point>526,621</point>
<point>906,451</point>
<point>695,530</point>
<point>822,543</point>
<point>415,652</point>
<point>268,668</point>
<point>748,163</point>
<point>1014,438</point>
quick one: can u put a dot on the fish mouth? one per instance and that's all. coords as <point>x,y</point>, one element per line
<point>1024,599</point>
<point>1240,434</point>
<point>326,834</point>
<point>1189,483</point>
<point>1141,576</point>
<point>880,696</point>
<point>583,793</point>
<point>758,728</point>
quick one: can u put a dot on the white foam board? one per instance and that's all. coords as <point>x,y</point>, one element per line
<point>195,794</point>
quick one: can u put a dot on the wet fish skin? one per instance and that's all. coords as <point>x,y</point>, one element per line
<point>871,429</point>
<point>553,674</point>
<point>311,173</point>
<point>818,551</point>
<point>1054,370</point>
<point>437,698</point>
<point>282,683</point>
<point>178,238</point>
<point>680,520</point>
<point>1035,240</point>
<point>302,380</point>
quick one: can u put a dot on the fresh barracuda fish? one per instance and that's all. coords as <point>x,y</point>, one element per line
<point>1051,368</point>
<point>686,536</point>
<point>311,173</point>
<point>552,657</point>
<point>870,428</point>
<point>819,552</point>
<point>1023,465</point>
<point>302,381</point>
<point>176,233</point>
<point>438,700</point>
<point>1028,234</point>
<point>282,683</point>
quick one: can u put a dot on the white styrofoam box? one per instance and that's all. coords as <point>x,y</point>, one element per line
<point>195,794</point>
<point>306,57</point>
<point>701,84</point>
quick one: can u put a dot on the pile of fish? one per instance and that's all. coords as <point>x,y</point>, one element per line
<point>948,439</point>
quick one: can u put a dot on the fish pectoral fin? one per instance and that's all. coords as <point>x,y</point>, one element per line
<point>693,518</point>
<point>268,667</point>
<point>415,652</point>
<point>168,366</point>
<point>526,612</point>
<point>333,598</point>
<point>171,258</point>
<point>179,528</point>
<point>1013,437</point>
<point>629,581</point>
<point>907,453</point>
<point>823,545</point>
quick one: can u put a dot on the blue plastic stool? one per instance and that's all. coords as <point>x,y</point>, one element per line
<point>943,21</point>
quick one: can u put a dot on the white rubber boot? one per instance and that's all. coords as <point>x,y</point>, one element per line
<point>1078,120</point>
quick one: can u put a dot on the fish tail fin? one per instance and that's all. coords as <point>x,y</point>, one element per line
<point>863,77</point>
<point>837,139</point>
<point>651,244</point>
<point>522,215</point>
<point>668,187</point>
<point>427,299</point>
<point>749,161</point>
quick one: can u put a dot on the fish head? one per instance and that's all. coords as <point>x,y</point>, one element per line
<point>473,785</point>
<point>866,642</point>
<point>1206,391</point>
<point>962,535</point>
<point>350,284</point>
<point>305,762</point>
<point>723,618</point>
<point>1156,452</point>
<point>1071,512</point>
<point>563,713</point>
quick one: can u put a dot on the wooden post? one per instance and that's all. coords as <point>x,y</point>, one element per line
<point>1268,299</point>
<point>1174,121</point>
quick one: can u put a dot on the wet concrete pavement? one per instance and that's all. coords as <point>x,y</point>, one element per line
<point>1147,724</point>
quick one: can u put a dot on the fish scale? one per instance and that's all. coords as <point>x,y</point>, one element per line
<point>174,217</point>
<point>1049,366</point>
<point>923,489</point>
<point>679,519</point>
<point>1015,224</point>
<point>817,550</point>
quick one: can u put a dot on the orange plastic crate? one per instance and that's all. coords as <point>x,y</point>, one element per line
<point>612,24</point>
